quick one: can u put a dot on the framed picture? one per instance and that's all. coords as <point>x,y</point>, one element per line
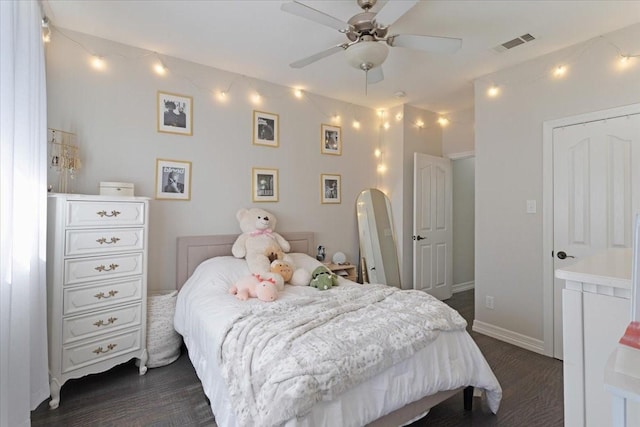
<point>330,188</point>
<point>175,113</point>
<point>265,129</point>
<point>264,185</point>
<point>330,139</point>
<point>173,179</point>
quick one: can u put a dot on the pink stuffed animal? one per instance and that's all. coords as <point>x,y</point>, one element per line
<point>255,286</point>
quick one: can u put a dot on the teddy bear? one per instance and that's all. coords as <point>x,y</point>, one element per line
<point>255,286</point>
<point>290,274</point>
<point>259,241</point>
<point>323,278</point>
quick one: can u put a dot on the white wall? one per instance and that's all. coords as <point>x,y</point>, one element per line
<point>508,148</point>
<point>459,136</point>
<point>113,113</point>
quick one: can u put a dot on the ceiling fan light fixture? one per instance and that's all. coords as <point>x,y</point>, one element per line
<point>366,55</point>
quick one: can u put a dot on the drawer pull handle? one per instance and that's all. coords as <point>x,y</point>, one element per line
<point>102,240</point>
<point>110,268</point>
<point>101,295</point>
<point>104,213</point>
<point>101,350</point>
<point>109,321</point>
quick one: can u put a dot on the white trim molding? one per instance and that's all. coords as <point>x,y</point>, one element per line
<point>464,286</point>
<point>463,155</point>
<point>519,340</point>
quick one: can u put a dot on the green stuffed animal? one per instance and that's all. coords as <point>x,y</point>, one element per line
<point>323,278</point>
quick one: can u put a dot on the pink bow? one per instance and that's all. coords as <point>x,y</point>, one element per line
<point>260,232</point>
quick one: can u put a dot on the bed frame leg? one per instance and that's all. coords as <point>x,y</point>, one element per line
<point>468,398</point>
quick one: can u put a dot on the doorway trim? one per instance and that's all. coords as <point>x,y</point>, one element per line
<point>547,203</point>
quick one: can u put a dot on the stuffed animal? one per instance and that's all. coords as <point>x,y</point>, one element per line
<point>323,278</point>
<point>260,245</point>
<point>283,268</point>
<point>255,286</point>
<point>257,241</point>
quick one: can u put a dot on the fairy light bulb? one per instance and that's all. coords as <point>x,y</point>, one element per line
<point>297,93</point>
<point>560,71</point>
<point>419,124</point>
<point>493,91</point>
<point>386,125</point>
<point>443,121</point>
<point>160,69</point>
<point>356,124</point>
<point>377,153</point>
<point>97,62</point>
<point>256,98</point>
<point>222,95</point>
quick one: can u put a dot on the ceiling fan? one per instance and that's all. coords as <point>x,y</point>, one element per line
<point>369,35</point>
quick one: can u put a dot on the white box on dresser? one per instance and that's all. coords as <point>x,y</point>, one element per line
<point>96,285</point>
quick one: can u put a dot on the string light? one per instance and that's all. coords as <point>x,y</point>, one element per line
<point>382,168</point>
<point>256,98</point>
<point>335,118</point>
<point>377,153</point>
<point>46,31</point>
<point>222,95</point>
<point>356,124</point>
<point>560,71</point>
<point>493,91</point>
<point>160,69</point>
<point>386,125</point>
<point>97,62</point>
<point>419,124</point>
<point>443,121</point>
<point>298,93</point>
<point>398,117</point>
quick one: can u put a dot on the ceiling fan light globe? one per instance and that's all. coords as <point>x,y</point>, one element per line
<point>367,54</point>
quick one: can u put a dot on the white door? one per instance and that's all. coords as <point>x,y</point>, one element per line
<point>596,191</point>
<point>432,231</point>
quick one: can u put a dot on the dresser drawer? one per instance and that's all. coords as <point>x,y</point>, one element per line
<point>88,353</point>
<point>107,213</point>
<point>97,268</point>
<point>104,295</point>
<point>80,327</point>
<point>86,242</point>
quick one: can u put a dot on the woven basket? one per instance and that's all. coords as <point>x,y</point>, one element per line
<point>163,342</point>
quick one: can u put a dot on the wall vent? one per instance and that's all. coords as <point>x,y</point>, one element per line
<point>513,43</point>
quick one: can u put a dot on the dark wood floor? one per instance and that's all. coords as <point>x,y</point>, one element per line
<point>172,395</point>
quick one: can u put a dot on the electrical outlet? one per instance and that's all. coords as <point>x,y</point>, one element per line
<point>489,302</point>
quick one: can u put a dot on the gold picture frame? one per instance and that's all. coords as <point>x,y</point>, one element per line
<point>266,129</point>
<point>330,139</point>
<point>175,113</point>
<point>173,179</point>
<point>264,185</point>
<point>330,188</point>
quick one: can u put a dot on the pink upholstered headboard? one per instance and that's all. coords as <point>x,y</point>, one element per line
<point>192,250</point>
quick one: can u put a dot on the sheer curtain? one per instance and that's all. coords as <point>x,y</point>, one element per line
<point>23,199</point>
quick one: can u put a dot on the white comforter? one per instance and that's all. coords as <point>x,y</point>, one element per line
<point>204,314</point>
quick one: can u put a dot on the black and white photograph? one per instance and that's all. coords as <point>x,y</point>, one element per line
<point>173,179</point>
<point>330,188</point>
<point>265,129</point>
<point>175,113</point>
<point>264,185</point>
<point>330,140</point>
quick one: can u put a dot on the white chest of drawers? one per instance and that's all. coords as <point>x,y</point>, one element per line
<point>96,285</point>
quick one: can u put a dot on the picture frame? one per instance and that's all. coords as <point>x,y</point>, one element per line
<point>173,179</point>
<point>266,129</point>
<point>175,113</point>
<point>330,139</point>
<point>330,188</point>
<point>264,185</point>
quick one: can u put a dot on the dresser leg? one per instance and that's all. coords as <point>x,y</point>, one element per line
<point>144,357</point>
<point>54,389</point>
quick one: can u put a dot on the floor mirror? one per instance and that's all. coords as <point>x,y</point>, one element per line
<point>378,252</point>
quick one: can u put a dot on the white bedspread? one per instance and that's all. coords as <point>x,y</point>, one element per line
<point>203,314</point>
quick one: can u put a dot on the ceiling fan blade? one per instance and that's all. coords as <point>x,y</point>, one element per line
<point>312,14</point>
<point>313,58</point>
<point>375,75</point>
<point>391,11</point>
<point>426,43</point>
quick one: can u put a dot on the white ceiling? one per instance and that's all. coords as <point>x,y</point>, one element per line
<point>255,38</point>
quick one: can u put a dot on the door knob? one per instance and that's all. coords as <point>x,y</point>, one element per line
<point>418,237</point>
<point>563,255</point>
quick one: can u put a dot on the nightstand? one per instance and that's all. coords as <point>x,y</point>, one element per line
<point>347,271</point>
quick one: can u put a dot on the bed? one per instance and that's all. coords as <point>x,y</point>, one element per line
<point>227,338</point>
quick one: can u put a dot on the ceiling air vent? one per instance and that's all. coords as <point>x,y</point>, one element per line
<point>513,43</point>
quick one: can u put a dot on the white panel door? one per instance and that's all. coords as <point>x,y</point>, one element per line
<point>596,193</point>
<point>432,231</point>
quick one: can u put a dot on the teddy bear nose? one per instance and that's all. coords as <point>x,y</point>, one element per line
<point>266,218</point>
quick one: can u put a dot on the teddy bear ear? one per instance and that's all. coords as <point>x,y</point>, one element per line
<point>241,213</point>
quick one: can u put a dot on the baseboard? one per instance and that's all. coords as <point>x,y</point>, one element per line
<point>523,341</point>
<point>461,287</point>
